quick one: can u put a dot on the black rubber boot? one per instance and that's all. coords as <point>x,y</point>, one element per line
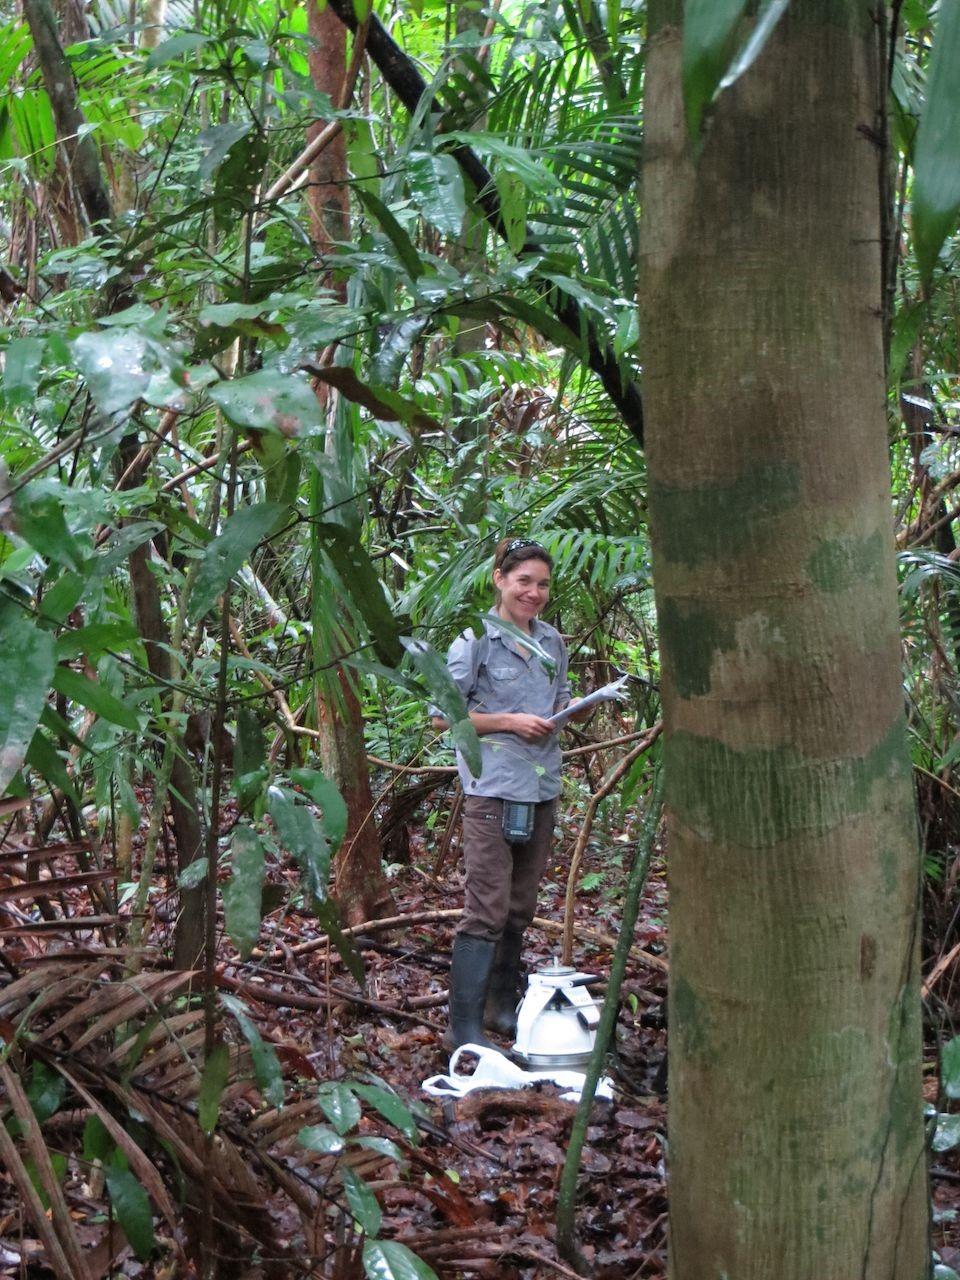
<point>503,993</point>
<point>469,974</point>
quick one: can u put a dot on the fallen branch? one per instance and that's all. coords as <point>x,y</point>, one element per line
<point>289,1000</point>
<point>938,970</point>
<point>583,932</point>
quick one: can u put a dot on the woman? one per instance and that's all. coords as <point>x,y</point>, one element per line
<point>510,692</point>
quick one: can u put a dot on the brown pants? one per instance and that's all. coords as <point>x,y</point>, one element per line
<point>502,878</point>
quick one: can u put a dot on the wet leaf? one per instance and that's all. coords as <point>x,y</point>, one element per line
<point>131,1205</point>
<point>25,675</point>
<point>270,401</point>
<point>389,1260</point>
<point>215,1073</point>
<point>225,555</point>
<point>362,1202</point>
<point>340,1106</point>
<point>242,895</point>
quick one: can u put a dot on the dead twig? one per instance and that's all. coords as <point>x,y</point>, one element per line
<point>613,777</point>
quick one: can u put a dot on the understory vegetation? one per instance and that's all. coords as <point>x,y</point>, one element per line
<point>303,309</point>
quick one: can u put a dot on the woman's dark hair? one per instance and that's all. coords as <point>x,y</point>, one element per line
<point>513,551</point>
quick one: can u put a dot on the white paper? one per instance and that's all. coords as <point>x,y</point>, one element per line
<point>613,692</point>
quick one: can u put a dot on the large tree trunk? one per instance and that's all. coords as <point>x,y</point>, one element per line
<point>796,1140</point>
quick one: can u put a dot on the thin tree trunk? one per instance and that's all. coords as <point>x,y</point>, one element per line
<point>184,805</point>
<point>796,1136</point>
<point>359,884</point>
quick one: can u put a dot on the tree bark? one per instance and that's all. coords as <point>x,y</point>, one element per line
<point>796,1137</point>
<point>359,884</point>
<point>328,196</point>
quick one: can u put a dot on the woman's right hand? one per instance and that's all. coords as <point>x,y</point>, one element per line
<point>529,728</point>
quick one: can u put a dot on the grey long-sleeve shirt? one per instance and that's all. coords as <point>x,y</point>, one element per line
<point>496,675</point>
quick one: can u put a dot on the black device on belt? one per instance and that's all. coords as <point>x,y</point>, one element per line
<point>517,821</point>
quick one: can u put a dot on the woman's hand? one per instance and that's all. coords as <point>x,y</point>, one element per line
<point>529,728</point>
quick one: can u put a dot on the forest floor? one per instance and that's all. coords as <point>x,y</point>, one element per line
<point>475,1193</point>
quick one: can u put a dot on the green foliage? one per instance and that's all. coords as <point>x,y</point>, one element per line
<point>936,193</point>
<point>216,1071</point>
<point>225,554</point>
<point>242,896</point>
<point>25,675</point>
<point>131,1205</point>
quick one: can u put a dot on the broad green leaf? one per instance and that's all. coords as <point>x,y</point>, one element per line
<point>317,1137</point>
<point>95,639</point>
<point>465,737</point>
<point>947,1135</point>
<point>46,1091</point>
<point>339,1106</point>
<point>362,1202</point>
<point>768,15</point>
<point>64,596</point>
<point>300,832</point>
<point>78,688</point>
<point>383,1146</point>
<point>324,793</point>
<point>117,366</point>
<point>266,1064</point>
<point>328,915</point>
<point>21,370</point>
<point>711,59</point>
<point>41,520</point>
<point>243,893</point>
<point>950,1068</point>
<point>249,758</point>
<point>359,577</point>
<point>44,757</point>
<point>936,184</point>
<point>270,401</point>
<point>97,1143</point>
<point>217,142</point>
<point>25,674</point>
<point>406,251</point>
<point>436,185</point>
<point>176,47</point>
<point>228,551</point>
<point>216,1072</point>
<point>131,1207</point>
<point>193,874</point>
<point>390,1260</point>
<point>448,699</point>
<point>390,1106</point>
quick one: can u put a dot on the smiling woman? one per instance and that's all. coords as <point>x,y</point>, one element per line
<point>511,689</point>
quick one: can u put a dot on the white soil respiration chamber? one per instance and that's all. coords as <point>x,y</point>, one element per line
<point>557,1018</point>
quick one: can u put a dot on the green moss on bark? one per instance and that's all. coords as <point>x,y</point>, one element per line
<point>760,797</point>
<point>840,563</point>
<point>691,635</point>
<point>700,525</point>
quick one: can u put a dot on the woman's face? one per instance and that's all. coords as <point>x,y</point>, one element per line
<point>524,590</point>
